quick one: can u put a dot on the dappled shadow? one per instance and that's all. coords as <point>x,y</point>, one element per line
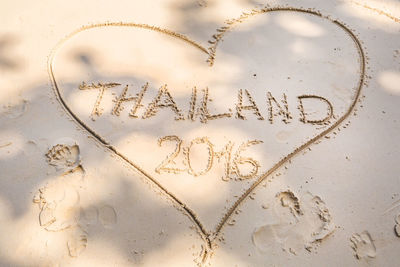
<point>146,224</point>
<point>8,60</point>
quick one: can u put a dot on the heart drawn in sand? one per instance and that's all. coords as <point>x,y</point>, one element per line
<point>208,125</point>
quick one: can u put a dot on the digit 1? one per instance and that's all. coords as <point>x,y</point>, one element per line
<point>227,153</point>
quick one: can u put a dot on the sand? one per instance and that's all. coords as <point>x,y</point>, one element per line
<point>199,133</point>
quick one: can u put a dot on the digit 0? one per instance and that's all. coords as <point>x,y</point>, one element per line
<point>198,141</point>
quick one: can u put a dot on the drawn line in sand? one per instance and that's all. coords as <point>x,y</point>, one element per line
<point>211,237</point>
<point>380,12</point>
<point>6,144</point>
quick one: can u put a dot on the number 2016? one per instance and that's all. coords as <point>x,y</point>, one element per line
<point>234,162</point>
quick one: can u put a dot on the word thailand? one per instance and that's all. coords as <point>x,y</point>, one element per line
<point>199,105</point>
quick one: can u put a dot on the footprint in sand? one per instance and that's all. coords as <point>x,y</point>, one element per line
<point>59,201</point>
<point>294,224</point>
<point>91,216</point>
<point>363,245</point>
<point>64,155</point>
<point>77,242</point>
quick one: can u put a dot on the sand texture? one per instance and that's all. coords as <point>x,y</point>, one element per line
<point>200,133</point>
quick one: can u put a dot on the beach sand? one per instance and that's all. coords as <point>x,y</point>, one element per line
<point>199,133</point>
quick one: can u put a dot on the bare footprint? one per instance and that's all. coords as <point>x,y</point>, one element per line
<point>77,242</point>
<point>363,245</point>
<point>61,212</point>
<point>59,202</point>
<point>59,199</point>
<point>64,155</point>
<point>267,236</point>
<point>107,216</point>
<point>295,224</point>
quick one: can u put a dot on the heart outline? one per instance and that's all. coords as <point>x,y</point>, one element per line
<point>210,237</point>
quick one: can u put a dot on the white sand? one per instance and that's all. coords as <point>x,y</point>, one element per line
<point>86,180</point>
